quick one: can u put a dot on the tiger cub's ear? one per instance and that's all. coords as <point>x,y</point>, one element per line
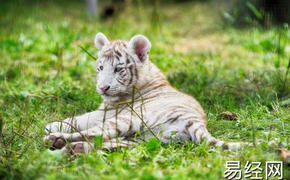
<point>101,40</point>
<point>140,46</point>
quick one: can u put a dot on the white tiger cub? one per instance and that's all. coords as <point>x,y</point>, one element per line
<point>138,103</point>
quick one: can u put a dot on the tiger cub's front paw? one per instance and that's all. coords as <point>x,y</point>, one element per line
<point>55,141</point>
<point>76,148</point>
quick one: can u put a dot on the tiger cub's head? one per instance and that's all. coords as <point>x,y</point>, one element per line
<point>118,63</point>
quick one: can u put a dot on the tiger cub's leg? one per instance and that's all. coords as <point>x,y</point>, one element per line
<point>111,128</point>
<point>198,132</point>
<point>73,124</point>
<point>87,147</point>
<point>116,143</point>
<point>78,147</point>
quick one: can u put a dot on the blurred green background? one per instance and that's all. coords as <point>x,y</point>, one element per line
<point>231,55</point>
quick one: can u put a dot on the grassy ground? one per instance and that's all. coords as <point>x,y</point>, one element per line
<point>44,76</point>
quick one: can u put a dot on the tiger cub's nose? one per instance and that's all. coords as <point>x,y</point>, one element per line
<point>105,88</point>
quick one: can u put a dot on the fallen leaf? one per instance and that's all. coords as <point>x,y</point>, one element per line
<point>228,116</point>
<point>285,154</point>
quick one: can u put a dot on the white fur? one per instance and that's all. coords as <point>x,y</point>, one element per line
<point>155,109</point>
<point>141,46</point>
<point>101,40</point>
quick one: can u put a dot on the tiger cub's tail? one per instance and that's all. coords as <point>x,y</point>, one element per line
<point>198,133</point>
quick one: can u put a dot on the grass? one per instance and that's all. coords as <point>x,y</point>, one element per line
<point>45,76</point>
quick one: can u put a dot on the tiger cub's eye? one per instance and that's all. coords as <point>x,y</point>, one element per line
<point>118,69</point>
<point>101,68</point>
